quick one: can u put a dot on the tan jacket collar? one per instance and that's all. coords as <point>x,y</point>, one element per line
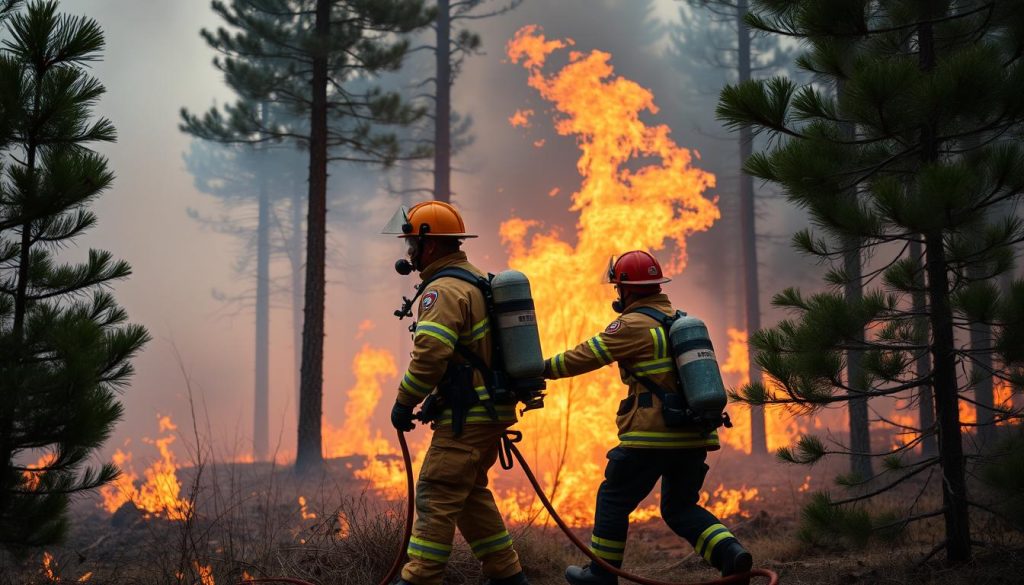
<point>658,302</point>
<point>442,263</point>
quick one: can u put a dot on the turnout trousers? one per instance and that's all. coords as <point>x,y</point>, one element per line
<point>631,475</point>
<point>452,492</point>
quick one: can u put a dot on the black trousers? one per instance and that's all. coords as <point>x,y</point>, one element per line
<point>629,478</point>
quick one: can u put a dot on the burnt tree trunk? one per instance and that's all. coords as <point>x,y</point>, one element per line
<point>443,105</point>
<point>310,448</point>
<point>951,457</point>
<point>758,438</point>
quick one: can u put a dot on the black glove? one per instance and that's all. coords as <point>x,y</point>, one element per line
<point>401,417</point>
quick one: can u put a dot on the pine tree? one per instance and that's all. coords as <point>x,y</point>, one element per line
<point>729,45</point>
<point>313,58</point>
<point>65,346</point>
<point>933,90</point>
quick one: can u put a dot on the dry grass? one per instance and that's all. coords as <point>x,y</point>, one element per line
<point>247,520</point>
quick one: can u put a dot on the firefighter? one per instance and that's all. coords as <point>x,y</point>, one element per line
<point>647,449</point>
<point>452,487</point>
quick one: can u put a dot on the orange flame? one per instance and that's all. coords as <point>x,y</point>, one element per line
<point>48,566</point>
<point>306,514</point>
<point>521,118</point>
<point>159,493</point>
<point>205,573</point>
<point>32,478</point>
<point>638,190</point>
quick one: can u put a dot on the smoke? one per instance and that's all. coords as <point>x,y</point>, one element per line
<point>155,63</point>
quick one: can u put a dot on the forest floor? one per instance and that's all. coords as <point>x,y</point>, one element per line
<point>246,522</point>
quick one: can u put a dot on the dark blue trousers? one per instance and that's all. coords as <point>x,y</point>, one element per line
<point>629,478</point>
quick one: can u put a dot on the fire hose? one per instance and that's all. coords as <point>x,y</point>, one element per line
<point>509,450</point>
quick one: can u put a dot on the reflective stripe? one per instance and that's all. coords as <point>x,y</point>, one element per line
<point>437,331</point>
<point>481,393</point>
<point>667,440</point>
<point>493,543</point>
<point>710,538</point>
<point>424,549</point>
<point>414,385</point>
<point>710,548</point>
<point>558,368</point>
<point>658,366</point>
<point>699,547</point>
<point>659,342</point>
<point>478,332</point>
<point>478,414</point>
<point>612,550</point>
<point>600,350</point>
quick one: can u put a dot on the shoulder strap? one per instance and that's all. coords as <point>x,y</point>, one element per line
<point>462,274</point>
<point>484,285</point>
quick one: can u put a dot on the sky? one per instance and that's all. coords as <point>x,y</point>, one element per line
<point>155,63</point>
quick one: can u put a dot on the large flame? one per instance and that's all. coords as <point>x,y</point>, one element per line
<point>639,190</point>
<point>382,466</point>
<point>159,493</point>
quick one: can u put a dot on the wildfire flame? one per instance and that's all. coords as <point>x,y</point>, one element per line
<point>32,478</point>
<point>639,190</point>
<point>382,466</point>
<point>1002,399</point>
<point>306,514</point>
<point>159,493</point>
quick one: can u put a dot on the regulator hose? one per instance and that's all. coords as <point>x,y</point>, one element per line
<point>509,447</point>
<point>410,509</point>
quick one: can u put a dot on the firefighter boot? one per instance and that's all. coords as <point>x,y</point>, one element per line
<point>517,579</point>
<point>589,574</point>
<point>735,560</point>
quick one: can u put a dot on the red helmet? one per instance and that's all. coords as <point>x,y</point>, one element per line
<point>635,268</point>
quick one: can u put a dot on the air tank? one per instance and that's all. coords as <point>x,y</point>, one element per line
<point>516,322</point>
<point>697,367</point>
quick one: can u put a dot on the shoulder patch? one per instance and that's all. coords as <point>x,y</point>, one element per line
<point>429,300</point>
<point>613,326</point>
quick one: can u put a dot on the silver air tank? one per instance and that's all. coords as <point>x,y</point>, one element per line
<point>698,368</point>
<point>517,325</point>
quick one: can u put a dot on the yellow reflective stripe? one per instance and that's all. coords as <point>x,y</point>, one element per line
<point>699,547</point>
<point>710,548</point>
<point>438,331</point>
<point>477,332</point>
<point>506,413</point>
<point>610,556</point>
<point>667,439</point>
<point>600,351</point>
<point>558,369</point>
<point>414,385</point>
<point>663,349</point>
<point>607,542</point>
<point>661,435</point>
<point>493,543</point>
<point>666,445</point>
<point>425,549</point>
<point>481,393</point>
<point>658,366</point>
<point>657,342</point>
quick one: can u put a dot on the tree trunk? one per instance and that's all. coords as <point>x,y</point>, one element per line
<point>310,441</point>
<point>758,438</point>
<point>860,434</point>
<point>981,372</point>
<point>951,458</point>
<point>857,406</point>
<point>922,365</point>
<point>297,293</point>
<point>443,105</point>
<point>262,351</point>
